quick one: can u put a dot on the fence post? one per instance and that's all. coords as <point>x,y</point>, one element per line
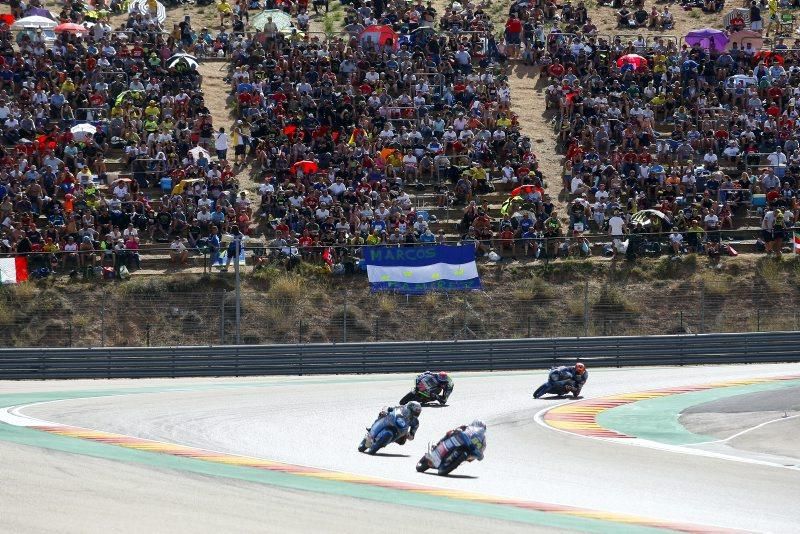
<point>529,326</point>
<point>222,318</point>
<point>103,324</point>
<point>758,319</point>
<point>586,308</point>
<point>148,334</point>
<point>681,315</point>
<point>300,332</point>
<point>376,328</point>
<point>702,307</point>
<point>70,334</point>
<point>344,319</point>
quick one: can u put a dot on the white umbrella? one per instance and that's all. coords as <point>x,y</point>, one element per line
<point>81,131</point>
<point>196,151</point>
<point>34,21</point>
<point>188,60</point>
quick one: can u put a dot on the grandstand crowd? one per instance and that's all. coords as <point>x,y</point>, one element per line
<point>365,138</point>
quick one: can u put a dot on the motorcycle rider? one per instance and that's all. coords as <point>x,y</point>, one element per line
<point>570,377</point>
<point>473,436</point>
<point>438,386</point>
<point>410,412</point>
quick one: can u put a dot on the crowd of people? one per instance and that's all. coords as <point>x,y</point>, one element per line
<point>351,136</point>
<point>353,139</point>
<point>697,133</point>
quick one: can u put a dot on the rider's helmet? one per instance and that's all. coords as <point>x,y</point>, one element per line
<point>442,376</point>
<point>477,423</point>
<point>414,408</point>
<point>580,368</point>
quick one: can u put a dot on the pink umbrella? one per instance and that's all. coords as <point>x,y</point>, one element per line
<point>635,60</point>
<point>70,27</point>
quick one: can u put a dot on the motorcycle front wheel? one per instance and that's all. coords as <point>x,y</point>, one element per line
<point>541,391</point>
<point>408,398</point>
<point>422,465</point>
<point>452,461</point>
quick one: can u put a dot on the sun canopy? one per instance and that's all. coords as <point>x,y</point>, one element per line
<point>634,60</point>
<point>378,35</point>
<point>281,19</point>
<point>70,27</point>
<point>707,38</point>
<point>81,132</point>
<point>34,21</point>
<point>145,7</point>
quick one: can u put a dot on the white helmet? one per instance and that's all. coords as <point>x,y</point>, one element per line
<point>477,423</point>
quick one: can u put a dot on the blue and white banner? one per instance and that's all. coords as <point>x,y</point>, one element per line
<point>421,269</point>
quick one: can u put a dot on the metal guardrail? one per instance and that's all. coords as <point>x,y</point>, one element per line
<point>491,355</point>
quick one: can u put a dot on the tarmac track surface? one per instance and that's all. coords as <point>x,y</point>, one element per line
<point>318,421</point>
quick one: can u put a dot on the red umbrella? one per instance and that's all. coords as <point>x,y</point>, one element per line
<point>768,57</point>
<point>70,27</point>
<point>308,167</point>
<point>523,190</point>
<point>8,18</point>
<point>638,62</point>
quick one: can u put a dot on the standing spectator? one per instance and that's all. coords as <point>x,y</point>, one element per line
<point>221,144</point>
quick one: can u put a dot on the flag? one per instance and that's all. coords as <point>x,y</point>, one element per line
<point>13,270</point>
<point>421,269</point>
<point>796,243</point>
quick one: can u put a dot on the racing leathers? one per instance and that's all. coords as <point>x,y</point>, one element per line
<point>402,411</point>
<point>473,438</point>
<point>568,377</point>
<point>430,384</point>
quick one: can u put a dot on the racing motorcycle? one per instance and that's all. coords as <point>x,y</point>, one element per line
<point>448,454</point>
<point>388,429</point>
<point>423,397</point>
<point>557,390</point>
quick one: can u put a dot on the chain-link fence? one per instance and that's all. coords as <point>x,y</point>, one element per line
<point>31,316</point>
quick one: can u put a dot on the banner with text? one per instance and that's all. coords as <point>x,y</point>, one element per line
<point>421,269</point>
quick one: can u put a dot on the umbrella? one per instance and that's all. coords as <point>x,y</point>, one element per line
<point>645,215</point>
<point>745,37</point>
<point>523,190</point>
<point>35,21</point>
<point>281,19</point>
<point>737,12</point>
<point>186,62</point>
<point>180,186</point>
<point>70,27</point>
<point>81,131</point>
<point>143,7</point>
<point>7,18</point>
<point>635,60</point>
<point>128,95</point>
<point>197,151</point>
<point>39,12</point>
<point>707,38</point>
<point>768,57</point>
<point>378,35</point>
<point>306,166</point>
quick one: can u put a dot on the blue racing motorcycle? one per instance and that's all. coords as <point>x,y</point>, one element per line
<point>388,429</point>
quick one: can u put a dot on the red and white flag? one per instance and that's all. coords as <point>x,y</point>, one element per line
<point>796,243</point>
<point>13,270</point>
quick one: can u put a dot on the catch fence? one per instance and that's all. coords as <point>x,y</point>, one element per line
<point>153,312</point>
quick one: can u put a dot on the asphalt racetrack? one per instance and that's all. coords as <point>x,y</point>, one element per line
<point>318,421</point>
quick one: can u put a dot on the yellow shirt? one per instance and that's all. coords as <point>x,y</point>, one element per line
<point>504,122</point>
<point>372,239</point>
<point>224,7</point>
